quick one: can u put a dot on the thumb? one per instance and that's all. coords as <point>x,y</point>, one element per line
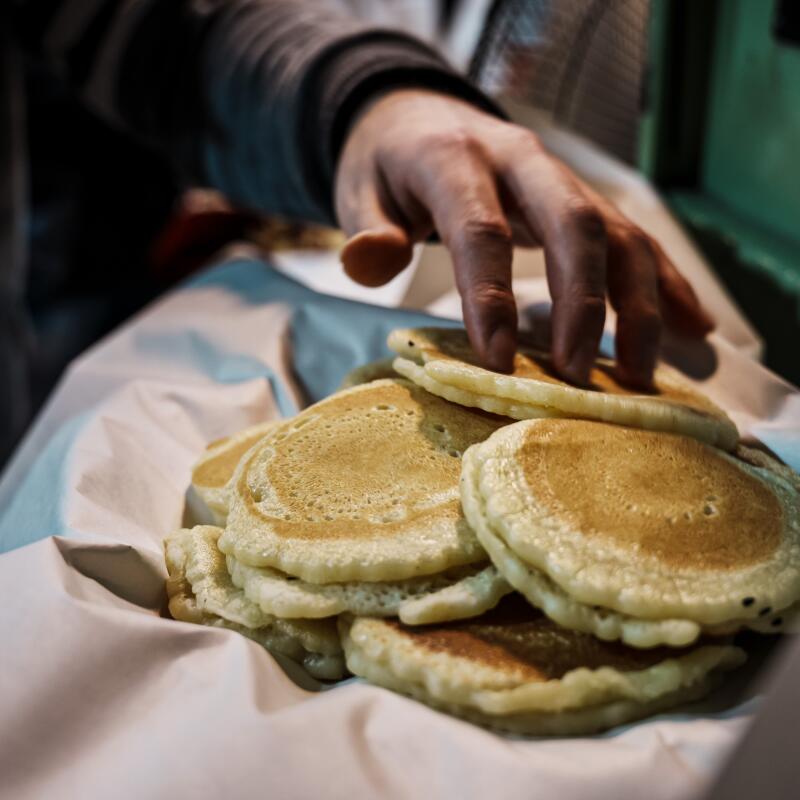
<point>379,249</point>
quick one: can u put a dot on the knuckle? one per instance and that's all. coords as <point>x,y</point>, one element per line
<point>635,239</point>
<point>491,295</point>
<point>449,142</point>
<point>668,274</point>
<point>592,306</point>
<point>584,302</point>
<point>650,320</point>
<point>586,219</point>
<point>524,139</point>
<point>485,227</point>
<point>586,291</point>
<point>646,319</point>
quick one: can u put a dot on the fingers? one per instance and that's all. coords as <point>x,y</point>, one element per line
<point>573,233</point>
<point>417,161</point>
<point>378,248</point>
<point>373,257</point>
<point>682,311</point>
<point>633,292</point>
<point>680,308</point>
<point>459,191</point>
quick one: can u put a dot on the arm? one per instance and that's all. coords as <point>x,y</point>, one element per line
<point>251,97</point>
<point>418,161</point>
<point>257,97</point>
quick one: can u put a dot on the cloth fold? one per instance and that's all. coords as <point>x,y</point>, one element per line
<point>102,695</point>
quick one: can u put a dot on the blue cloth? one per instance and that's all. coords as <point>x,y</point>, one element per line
<point>328,336</point>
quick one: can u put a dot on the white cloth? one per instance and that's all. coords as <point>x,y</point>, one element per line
<point>100,696</point>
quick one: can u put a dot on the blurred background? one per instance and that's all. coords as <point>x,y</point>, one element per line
<point>681,111</point>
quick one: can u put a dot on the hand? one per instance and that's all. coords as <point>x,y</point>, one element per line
<point>416,161</point>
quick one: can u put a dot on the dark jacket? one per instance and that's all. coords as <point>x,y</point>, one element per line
<point>251,97</point>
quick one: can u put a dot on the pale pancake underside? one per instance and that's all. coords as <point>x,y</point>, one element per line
<point>604,623</point>
<point>464,397</point>
<point>213,472</point>
<point>362,486</point>
<point>374,371</point>
<point>456,594</point>
<point>479,677</point>
<point>573,722</point>
<point>670,582</point>
<point>447,360</point>
<point>200,591</point>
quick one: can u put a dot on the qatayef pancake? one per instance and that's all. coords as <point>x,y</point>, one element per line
<point>200,591</point>
<point>374,371</point>
<point>648,537</point>
<point>442,361</point>
<point>454,594</point>
<point>362,486</point>
<point>212,474</point>
<point>610,625</point>
<point>457,593</point>
<point>513,669</point>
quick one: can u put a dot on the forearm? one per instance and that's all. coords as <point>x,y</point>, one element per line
<point>252,97</point>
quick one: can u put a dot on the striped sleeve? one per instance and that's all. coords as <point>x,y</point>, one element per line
<point>252,97</point>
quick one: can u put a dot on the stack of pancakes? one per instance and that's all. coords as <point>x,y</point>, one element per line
<point>585,566</point>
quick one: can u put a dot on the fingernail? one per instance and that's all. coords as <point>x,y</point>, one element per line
<point>502,347</point>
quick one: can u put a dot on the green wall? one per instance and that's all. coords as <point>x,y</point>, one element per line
<point>752,145</point>
<point>720,136</point>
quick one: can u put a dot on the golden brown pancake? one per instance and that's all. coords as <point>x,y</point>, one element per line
<point>670,497</point>
<point>361,486</point>
<point>513,669</point>
<point>212,474</point>
<point>200,591</point>
<point>652,526</point>
<point>517,638</point>
<point>441,360</point>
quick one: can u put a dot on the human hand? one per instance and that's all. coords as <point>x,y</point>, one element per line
<point>417,161</point>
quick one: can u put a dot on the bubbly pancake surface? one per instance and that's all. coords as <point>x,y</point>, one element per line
<point>545,594</point>
<point>361,486</point>
<point>372,464</point>
<point>454,594</point>
<point>669,496</point>
<point>389,454</point>
<point>605,623</point>
<point>212,475</point>
<point>652,525</point>
<point>215,472</point>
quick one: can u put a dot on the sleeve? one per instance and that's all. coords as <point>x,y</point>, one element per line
<point>252,97</point>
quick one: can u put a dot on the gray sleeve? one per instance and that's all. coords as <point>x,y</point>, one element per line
<point>252,97</point>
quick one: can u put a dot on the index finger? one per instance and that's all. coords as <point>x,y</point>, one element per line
<point>459,190</point>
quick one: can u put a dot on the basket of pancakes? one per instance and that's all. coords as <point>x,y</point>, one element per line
<point>536,557</point>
